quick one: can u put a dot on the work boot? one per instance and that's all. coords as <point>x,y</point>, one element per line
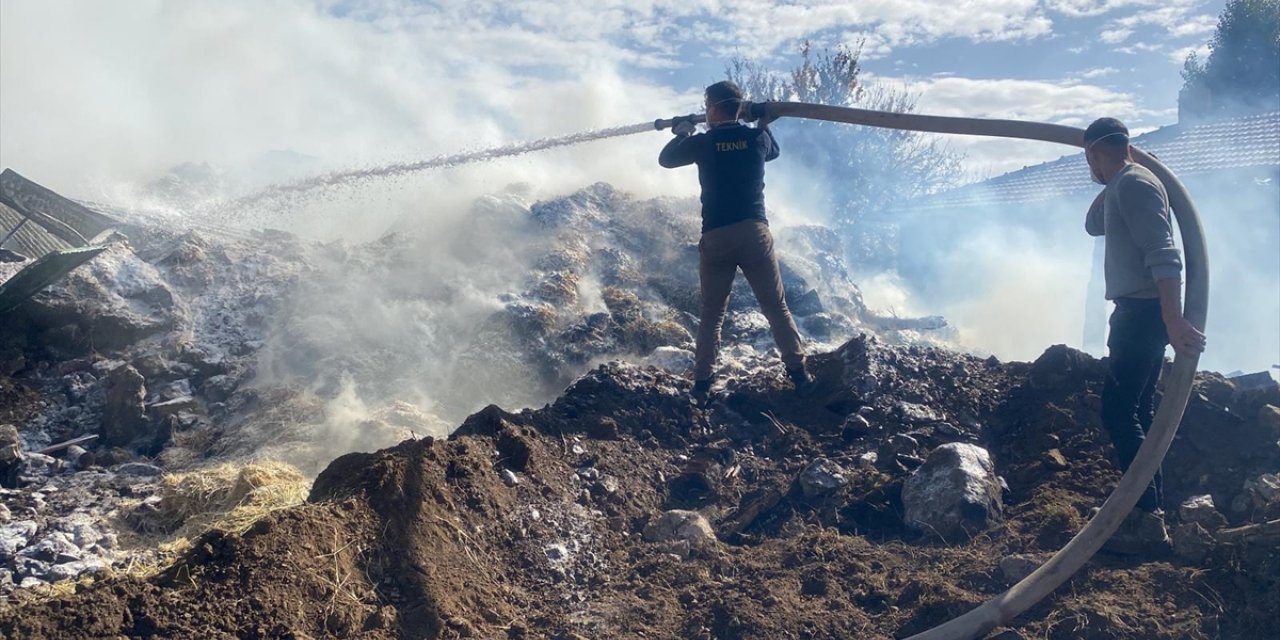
<point>802,380</point>
<point>1141,533</point>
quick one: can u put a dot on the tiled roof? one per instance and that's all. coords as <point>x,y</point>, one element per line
<point>1237,143</point>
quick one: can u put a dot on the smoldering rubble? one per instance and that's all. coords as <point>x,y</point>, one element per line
<point>916,483</point>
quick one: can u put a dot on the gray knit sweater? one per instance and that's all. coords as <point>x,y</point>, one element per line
<point>1134,217</point>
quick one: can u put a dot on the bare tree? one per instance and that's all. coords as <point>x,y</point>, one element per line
<point>865,171</point>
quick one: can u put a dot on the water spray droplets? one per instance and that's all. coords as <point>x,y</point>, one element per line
<point>292,195</point>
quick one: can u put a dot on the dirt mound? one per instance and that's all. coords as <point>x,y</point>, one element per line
<point>529,524</point>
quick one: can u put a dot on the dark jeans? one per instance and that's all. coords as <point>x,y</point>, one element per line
<point>1136,343</point>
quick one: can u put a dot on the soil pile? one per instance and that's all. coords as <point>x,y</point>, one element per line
<point>537,524</point>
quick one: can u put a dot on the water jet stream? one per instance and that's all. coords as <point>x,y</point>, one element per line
<point>355,176</point>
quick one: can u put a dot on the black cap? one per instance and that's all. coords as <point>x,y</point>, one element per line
<point>1109,128</point>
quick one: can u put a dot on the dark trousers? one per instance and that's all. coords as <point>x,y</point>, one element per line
<point>748,246</point>
<point>1136,344</point>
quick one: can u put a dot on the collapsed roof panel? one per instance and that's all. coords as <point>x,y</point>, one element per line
<point>51,232</point>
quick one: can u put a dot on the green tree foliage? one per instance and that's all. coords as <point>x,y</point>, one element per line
<point>863,171</point>
<point>1242,72</point>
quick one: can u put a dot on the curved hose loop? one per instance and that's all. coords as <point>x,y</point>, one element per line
<point>1177,386</point>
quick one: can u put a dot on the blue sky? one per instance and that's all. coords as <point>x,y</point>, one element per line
<point>385,80</point>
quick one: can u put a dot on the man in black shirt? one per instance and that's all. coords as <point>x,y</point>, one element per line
<point>735,233</point>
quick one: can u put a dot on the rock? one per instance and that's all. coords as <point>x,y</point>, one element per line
<point>139,470</point>
<point>37,465</point>
<point>75,569</point>
<point>12,459</point>
<point>556,552</point>
<point>207,363</point>
<point>912,413</point>
<point>955,491</point>
<point>820,477</point>
<point>15,535</point>
<point>510,478</point>
<point>114,300</point>
<point>901,444</point>
<point>54,548</point>
<point>1201,510</point>
<point>1263,492</point>
<point>1055,461</point>
<point>108,541</point>
<point>808,304</point>
<point>1192,542</point>
<point>677,525</point>
<point>868,460</point>
<point>124,417</point>
<point>607,486</point>
<point>31,582</point>
<point>1018,566</point>
<point>83,534</point>
<point>855,426</point>
<point>825,326</point>
<point>673,359</point>
<point>220,387</point>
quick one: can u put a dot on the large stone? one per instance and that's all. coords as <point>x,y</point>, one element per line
<point>679,525</point>
<point>820,477</point>
<point>124,418</point>
<point>114,300</point>
<point>1201,510</point>
<point>1192,542</point>
<point>955,491</point>
<point>15,536</point>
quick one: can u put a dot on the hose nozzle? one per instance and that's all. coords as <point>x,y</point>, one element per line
<point>695,118</point>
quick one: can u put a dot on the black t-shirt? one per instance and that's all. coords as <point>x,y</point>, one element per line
<point>730,159</point>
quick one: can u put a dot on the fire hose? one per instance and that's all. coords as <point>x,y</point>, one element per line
<point>1177,384</point>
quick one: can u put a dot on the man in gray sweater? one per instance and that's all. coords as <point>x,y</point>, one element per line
<point>1143,272</point>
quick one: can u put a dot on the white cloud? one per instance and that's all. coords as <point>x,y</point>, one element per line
<point>1139,48</point>
<point>1088,8</point>
<point>1116,35</point>
<point>1194,26</point>
<point>1175,17</point>
<point>1100,72</point>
